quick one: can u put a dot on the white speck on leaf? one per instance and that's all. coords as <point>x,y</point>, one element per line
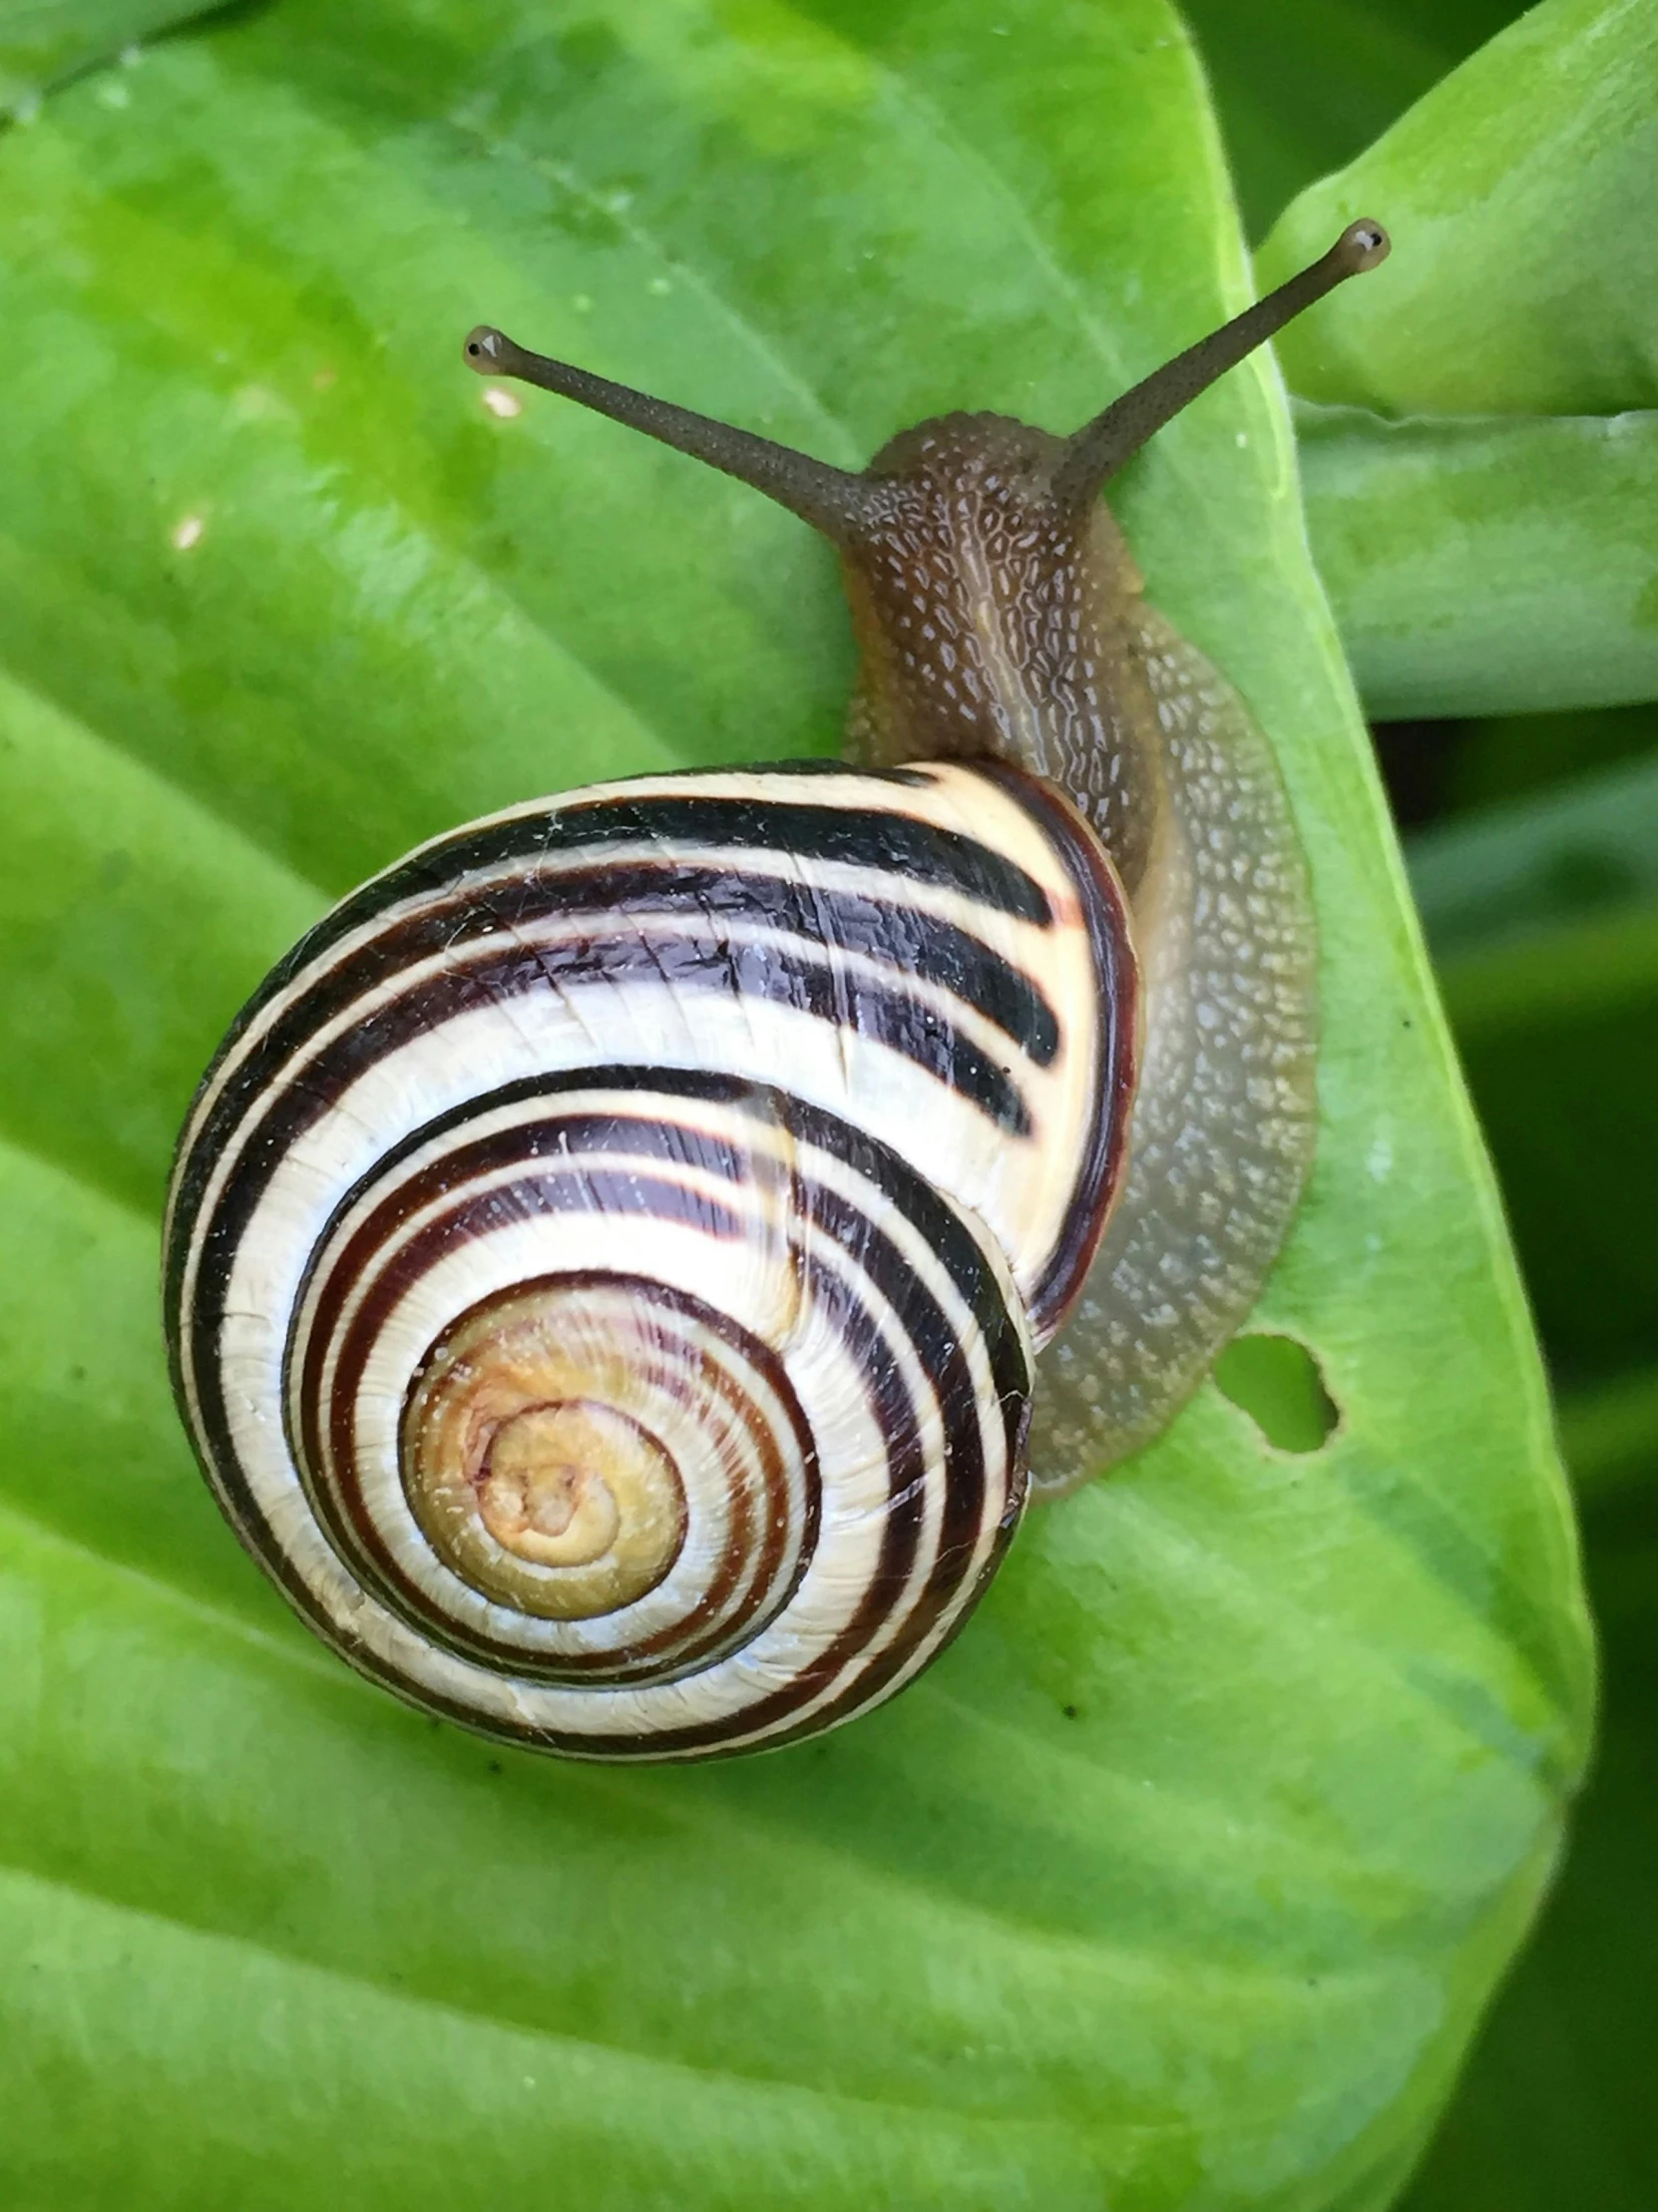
<point>501,402</point>
<point>187,533</point>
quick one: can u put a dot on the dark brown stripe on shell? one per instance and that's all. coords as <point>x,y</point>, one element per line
<point>888,930</point>
<point>292,1103</point>
<point>1104,1153</point>
<point>888,842</point>
<point>857,836</point>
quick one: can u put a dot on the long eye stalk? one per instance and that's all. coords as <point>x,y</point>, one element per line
<point>844,505</point>
<point>828,498</point>
<point>1100,447</point>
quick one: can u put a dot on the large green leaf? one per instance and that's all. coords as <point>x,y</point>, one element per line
<point>1183,1876</point>
<point>1481,565</point>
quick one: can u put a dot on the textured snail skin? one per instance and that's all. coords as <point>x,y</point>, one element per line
<point>555,1305</point>
<point>1224,1118</point>
<point>998,620</point>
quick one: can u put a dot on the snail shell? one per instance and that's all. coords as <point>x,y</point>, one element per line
<point>607,1263</point>
<point>556,1308</point>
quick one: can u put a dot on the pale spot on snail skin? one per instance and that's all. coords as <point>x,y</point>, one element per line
<point>187,531</point>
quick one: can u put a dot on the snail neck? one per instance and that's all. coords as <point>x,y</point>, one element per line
<point>992,616</point>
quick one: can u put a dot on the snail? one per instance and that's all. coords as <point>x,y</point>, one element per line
<point>618,1264</point>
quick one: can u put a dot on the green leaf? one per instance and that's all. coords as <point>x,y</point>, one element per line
<point>1510,874</point>
<point>1506,756</point>
<point>1183,1876</point>
<point>1543,915</point>
<point>1494,548</point>
<point>1543,912</point>
<point>1556,2108</point>
<point>1304,89</point>
<point>1487,565</point>
<point>1558,1034</point>
<point>43,41</point>
<point>1610,1438</point>
<point>1524,273</point>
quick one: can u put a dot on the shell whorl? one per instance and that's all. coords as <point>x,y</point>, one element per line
<point>605,1261</point>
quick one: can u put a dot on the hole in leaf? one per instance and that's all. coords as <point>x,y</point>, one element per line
<point>1277,1382</point>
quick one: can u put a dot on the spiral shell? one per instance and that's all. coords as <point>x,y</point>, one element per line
<point>605,1259</point>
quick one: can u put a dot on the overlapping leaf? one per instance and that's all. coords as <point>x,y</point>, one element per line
<point>1523,287</point>
<point>1306,85</point>
<point>1491,564</point>
<point>1544,917</point>
<point>1526,282</point>
<point>1182,1879</point>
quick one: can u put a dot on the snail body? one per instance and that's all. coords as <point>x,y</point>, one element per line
<point>618,1264</point>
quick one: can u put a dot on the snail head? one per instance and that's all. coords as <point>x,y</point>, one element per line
<point>981,569</point>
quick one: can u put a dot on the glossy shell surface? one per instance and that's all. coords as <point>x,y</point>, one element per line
<point>606,1258</point>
